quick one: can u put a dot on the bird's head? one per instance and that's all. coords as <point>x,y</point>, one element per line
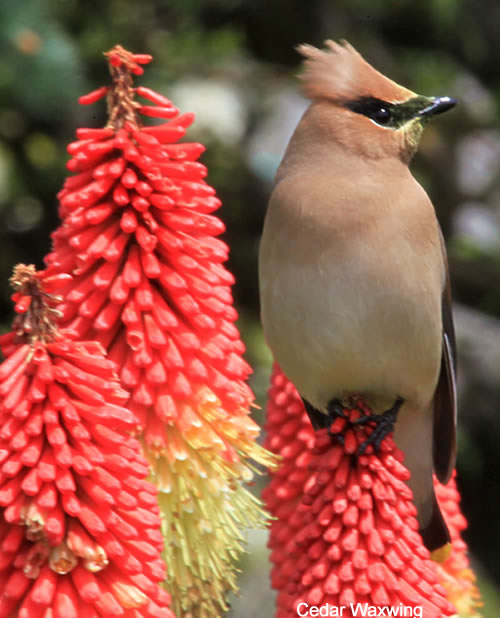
<point>364,110</point>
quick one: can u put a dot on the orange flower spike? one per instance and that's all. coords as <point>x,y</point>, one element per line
<point>140,238</point>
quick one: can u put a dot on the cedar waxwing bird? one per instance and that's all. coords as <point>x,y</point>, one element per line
<point>354,287</point>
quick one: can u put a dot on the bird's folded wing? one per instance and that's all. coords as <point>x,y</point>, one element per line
<point>445,396</point>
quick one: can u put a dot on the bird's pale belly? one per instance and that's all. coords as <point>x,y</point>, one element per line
<point>356,335</point>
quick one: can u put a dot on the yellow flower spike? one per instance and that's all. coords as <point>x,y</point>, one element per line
<point>204,504</point>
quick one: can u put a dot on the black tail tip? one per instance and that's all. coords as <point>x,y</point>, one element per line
<point>435,534</point>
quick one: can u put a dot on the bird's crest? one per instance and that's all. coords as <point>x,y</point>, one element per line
<point>340,73</point>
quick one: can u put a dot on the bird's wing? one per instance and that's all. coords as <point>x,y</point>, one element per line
<point>445,396</point>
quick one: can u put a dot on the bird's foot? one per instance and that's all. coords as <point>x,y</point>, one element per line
<point>330,421</point>
<point>384,424</point>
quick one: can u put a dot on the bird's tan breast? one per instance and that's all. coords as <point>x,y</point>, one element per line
<point>351,286</point>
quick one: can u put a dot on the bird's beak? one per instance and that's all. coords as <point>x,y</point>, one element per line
<point>437,105</point>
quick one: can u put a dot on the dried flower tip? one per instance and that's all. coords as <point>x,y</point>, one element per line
<point>22,276</point>
<point>122,108</point>
<point>37,316</point>
<point>62,560</point>
<point>35,559</point>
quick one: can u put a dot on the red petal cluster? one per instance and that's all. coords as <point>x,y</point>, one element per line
<point>140,241</point>
<point>455,572</point>
<point>79,524</point>
<point>346,530</point>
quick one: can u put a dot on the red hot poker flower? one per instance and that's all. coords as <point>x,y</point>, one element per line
<point>348,533</point>
<point>79,524</point>
<point>140,240</point>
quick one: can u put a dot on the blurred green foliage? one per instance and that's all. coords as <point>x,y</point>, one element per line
<point>236,60</point>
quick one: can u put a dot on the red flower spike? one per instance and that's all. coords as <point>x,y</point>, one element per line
<point>454,571</point>
<point>345,526</point>
<point>139,238</point>
<point>78,530</point>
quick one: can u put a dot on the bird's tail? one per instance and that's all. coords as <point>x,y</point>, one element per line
<point>435,532</point>
<point>413,435</point>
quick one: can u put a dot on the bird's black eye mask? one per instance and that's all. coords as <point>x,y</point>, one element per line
<point>395,115</point>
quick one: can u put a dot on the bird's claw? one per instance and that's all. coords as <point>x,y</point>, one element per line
<point>384,424</point>
<point>320,420</point>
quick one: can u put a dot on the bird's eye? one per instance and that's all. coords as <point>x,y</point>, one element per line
<point>381,112</point>
<point>381,115</point>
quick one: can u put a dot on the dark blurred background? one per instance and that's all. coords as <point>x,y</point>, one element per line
<point>233,63</point>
